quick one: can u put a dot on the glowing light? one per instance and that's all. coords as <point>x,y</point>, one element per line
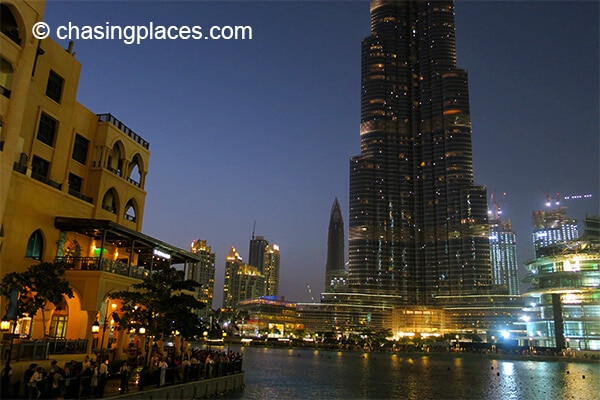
<point>162,254</point>
<point>452,112</point>
<point>505,334</point>
<point>572,298</point>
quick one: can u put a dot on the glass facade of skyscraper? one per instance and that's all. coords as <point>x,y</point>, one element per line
<point>418,224</point>
<point>503,250</point>
<point>553,226</point>
<point>564,300</point>
<point>335,273</point>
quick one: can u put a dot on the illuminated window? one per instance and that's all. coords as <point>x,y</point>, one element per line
<point>35,245</point>
<point>58,326</point>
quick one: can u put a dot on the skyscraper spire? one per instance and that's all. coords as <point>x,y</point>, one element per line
<point>418,224</point>
<point>335,273</point>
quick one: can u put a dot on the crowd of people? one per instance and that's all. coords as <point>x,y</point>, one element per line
<point>192,365</point>
<point>88,378</point>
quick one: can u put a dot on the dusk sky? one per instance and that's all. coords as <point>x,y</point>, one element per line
<point>262,130</point>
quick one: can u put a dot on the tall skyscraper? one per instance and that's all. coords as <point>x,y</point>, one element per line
<point>232,262</point>
<point>335,273</point>
<point>418,224</point>
<point>503,250</point>
<point>551,227</point>
<point>203,272</point>
<point>271,270</point>
<point>256,253</point>
<point>242,281</point>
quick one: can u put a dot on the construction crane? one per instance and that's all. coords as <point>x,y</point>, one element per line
<point>578,197</point>
<point>557,198</point>
<point>496,211</point>
<point>551,199</point>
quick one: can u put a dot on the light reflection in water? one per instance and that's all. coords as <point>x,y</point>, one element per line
<point>306,374</point>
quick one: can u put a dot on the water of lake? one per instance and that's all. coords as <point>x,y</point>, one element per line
<point>275,373</point>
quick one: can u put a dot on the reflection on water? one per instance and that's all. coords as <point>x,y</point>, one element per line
<point>306,374</point>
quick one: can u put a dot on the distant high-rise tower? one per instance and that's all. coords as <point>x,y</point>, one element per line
<point>335,273</point>
<point>232,263</point>
<point>418,224</point>
<point>256,254</point>
<point>242,281</point>
<point>503,250</point>
<point>271,270</point>
<point>551,227</point>
<point>204,273</point>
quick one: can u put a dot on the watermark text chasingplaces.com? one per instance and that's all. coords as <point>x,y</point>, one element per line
<point>136,34</point>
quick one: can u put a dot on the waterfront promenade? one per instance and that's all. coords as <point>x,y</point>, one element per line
<point>200,374</point>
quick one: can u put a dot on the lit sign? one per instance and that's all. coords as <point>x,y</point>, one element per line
<point>162,254</point>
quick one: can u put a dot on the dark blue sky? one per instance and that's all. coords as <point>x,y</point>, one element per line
<point>263,129</point>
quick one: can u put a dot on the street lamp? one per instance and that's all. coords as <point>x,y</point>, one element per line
<point>95,327</point>
<point>6,326</point>
<point>205,334</point>
<point>224,339</point>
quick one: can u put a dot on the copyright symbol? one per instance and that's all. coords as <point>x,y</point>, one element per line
<point>40,30</point>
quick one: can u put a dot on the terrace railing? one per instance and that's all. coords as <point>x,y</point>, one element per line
<point>103,264</point>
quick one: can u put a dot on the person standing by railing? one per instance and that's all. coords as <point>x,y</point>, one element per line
<point>162,365</point>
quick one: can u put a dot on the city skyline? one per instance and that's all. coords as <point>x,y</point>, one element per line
<point>286,158</point>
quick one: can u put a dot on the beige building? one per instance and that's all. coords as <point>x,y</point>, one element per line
<point>242,281</point>
<point>71,184</point>
<point>204,274</point>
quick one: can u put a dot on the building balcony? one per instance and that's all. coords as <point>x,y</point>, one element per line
<point>123,128</point>
<point>81,196</point>
<point>103,264</point>
<point>46,180</point>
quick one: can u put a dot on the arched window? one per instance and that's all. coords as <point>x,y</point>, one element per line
<point>109,202</point>
<point>8,24</point>
<point>35,245</point>
<point>130,211</point>
<point>135,171</point>
<point>58,324</point>
<point>115,162</point>
<point>6,75</point>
